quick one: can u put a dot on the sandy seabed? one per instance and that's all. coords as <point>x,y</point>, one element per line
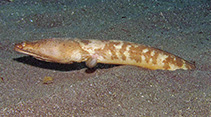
<point>179,28</point>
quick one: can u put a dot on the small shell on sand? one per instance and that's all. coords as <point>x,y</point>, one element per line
<point>47,80</point>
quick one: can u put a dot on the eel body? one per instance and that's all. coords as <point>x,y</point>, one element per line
<point>70,50</point>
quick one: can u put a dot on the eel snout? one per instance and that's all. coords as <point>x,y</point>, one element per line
<point>19,46</point>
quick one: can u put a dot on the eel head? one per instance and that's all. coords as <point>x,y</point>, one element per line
<point>45,50</point>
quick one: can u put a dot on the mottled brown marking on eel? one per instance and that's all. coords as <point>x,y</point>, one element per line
<point>110,47</point>
<point>85,42</point>
<point>136,52</point>
<point>123,50</point>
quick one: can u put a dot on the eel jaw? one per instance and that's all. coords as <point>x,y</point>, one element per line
<point>20,47</point>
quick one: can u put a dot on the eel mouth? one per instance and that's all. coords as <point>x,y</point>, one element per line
<point>19,47</point>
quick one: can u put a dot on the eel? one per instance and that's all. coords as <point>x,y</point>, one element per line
<point>69,50</point>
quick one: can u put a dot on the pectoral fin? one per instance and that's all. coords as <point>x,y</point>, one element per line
<point>91,62</point>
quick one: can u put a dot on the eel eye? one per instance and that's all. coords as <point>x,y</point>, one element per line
<point>20,45</point>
